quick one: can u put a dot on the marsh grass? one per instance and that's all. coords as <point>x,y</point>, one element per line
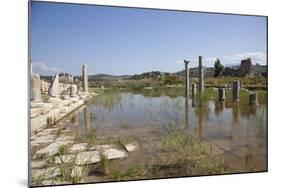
<point>73,119</point>
<point>132,172</point>
<point>104,164</point>
<point>49,121</point>
<point>89,136</point>
<point>208,94</point>
<point>188,152</point>
<point>124,124</point>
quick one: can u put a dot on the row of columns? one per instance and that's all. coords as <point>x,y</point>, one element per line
<point>53,90</point>
<point>253,99</point>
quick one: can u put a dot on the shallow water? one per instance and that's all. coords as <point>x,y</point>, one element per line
<point>236,129</point>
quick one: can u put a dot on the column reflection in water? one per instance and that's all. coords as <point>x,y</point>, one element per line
<point>219,107</point>
<point>74,118</point>
<point>193,102</point>
<point>199,113</point>
<point>86,117</point>
<point>186,112</point>
<point>235,116</point>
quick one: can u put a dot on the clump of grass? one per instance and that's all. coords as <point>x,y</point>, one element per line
<point>73,119</point>
<point>132,172</point>
<point>63,150</point>
<point>49,121</point>
<point>124,124</point>
<point>58,132</point>
<point>104,164</point>
<point>188,153</point>
<point>208,94</point>
<point>89,136</point>
<point>93,116</point>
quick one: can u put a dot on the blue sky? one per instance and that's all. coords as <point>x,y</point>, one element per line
<point>129,41</point>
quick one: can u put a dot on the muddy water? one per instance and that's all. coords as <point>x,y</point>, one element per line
<point>238,131</point>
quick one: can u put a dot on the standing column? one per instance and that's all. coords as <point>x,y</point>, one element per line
<point>186,79</point>
<point>85,77</point>
<point>201,76</point>
<point>221,94</point>
<point>253,99</point>
<point>235,90</point>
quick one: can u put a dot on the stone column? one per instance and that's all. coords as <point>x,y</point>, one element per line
<point>253,99</point>
<point>235,90</point>
<point>221,94</point>
<point>186,79</point>
<point>241,84</point>
<point>54,87</point>
<point>193,90</point>
<point>35,93</point>
<point>35,86</point>
<point>85,77</point>
<point>201,76</point>
<point>73,90</point>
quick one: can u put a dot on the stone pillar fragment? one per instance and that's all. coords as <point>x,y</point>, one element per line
<point>186,78</point>
<point>253,99</point>
<point>201,76</point>
<point>73,90</point>
<point>54,87</point>
<point>35,93</point>
<point>193,90</point>
<point>221,94</point>
<point>235,90</point>
<point>85,77</point>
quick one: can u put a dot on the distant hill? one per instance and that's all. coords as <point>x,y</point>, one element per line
<point>108,77</point>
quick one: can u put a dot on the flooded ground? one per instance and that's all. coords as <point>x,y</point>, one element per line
<point>155,122</point>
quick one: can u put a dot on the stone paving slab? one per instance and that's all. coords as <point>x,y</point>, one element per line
<point>101,147</point>
<point>67,102</point>
<point>34,112</point>
<point>130,147</point>
<point>114,153</point>
<point>53,148</point>
<point>77,171</point>
<point>64,109</point>
<point>87,157</point>
<point>45,173</point>
<point>65,138</point>
<point>68,158</point>
<point>39,142</point>
<point>37,104</point>
<point>78,147</point>
<point>38,164</point>
<point>47,107</point>
<point>55,182</point>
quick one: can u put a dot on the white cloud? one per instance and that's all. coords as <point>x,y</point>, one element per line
<point>43,69</point>
<point>257,57</point>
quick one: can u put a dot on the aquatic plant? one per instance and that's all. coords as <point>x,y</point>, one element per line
<point>188,152</point>
<point>104,164</point>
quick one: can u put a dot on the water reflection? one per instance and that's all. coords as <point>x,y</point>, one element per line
<point>86,117</point>
<point>235,127</point>
<point>186,112</point>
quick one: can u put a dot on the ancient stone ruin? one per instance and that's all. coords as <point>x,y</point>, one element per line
<point>54,88</point>
<point>60,98</point>
<point>186,79</point>
<point>253,99</point>
<point>35,93</point>
<point>221,94</point>
<point>201,76</point>
<point>236,91</point>
<point>85,77</point>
